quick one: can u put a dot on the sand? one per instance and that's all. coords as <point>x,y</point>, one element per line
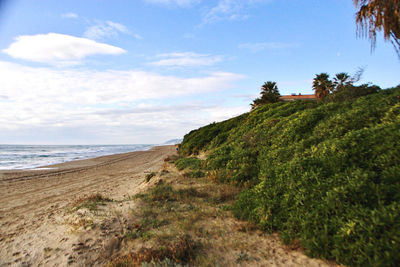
<point>35,226</point>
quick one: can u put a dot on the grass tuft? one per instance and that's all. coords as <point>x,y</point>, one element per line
<point>149,176</point>
<point>180,250</point>
<point>91,202</point>
<point>195,174</point>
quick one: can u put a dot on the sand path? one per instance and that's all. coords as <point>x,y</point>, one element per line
<point>33,204</point>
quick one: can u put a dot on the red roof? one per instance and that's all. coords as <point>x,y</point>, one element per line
<point>298,97</point>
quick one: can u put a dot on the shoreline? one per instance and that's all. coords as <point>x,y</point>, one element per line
<point>81,157</point>
<point>70,166</point>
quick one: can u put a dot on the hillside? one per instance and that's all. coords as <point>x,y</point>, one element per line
<point>325,175</point>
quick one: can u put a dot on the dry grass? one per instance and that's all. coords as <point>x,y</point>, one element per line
<point>180,250</point>
<point>173,220</point>
<point>171,158</point>
<point>187,221</point>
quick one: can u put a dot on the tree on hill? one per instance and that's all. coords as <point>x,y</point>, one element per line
<point>379,15</point>
<point>341,80</point>
<point>269,94</point>
<point>322,85</point>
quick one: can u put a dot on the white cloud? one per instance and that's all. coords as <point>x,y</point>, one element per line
<point>186,59</point>
<point>107,29</point>
<point>223,113</point>
<point>119,106</point>
<point>182,3</point>
<point>138,36</point>
<point>229,10</point>
<point>69,15</point>
<point>55,48</point>
<point>257,47</point>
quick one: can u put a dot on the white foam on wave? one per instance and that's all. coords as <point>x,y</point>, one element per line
<point>40,169</point>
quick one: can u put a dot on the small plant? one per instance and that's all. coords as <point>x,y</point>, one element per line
<point>149,176</point>
<point>243,256</point>
<point>82,223</point>
<point>162,192</point>
<point>138,233</point>
<point>91,202</point>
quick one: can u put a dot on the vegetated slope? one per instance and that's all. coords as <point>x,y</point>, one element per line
<point>327,174</point>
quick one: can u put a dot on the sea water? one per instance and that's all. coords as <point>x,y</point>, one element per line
<point>14,157</point>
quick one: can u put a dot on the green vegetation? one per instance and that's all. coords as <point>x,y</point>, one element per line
<point>192,164</point>
<point>341,88</point>
<point>188,163</point>
<point>325,173</point>
<point>322,85</point>
<point>210,136</point>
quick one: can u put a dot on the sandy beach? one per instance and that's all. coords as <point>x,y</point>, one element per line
<point>36,228</point>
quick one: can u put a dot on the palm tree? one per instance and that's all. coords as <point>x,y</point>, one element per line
<point>379,15</point>
<point>322,85</point>
<point>269,94</point>
<point>341,80</point>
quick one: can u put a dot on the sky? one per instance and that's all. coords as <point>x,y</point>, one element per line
<point>146,71</point>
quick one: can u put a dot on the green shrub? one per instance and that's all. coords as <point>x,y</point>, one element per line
<point>327,174</point>
<point>188,163</point>
<point>162,192</point>
<point>215,134</point>
<point>350,92</point>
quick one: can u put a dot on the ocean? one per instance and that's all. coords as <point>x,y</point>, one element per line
<point>14,157</point>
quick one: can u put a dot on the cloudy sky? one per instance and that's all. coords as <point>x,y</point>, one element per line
<point>146,71</point>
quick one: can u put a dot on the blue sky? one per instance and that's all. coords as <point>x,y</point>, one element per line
<point>145,71</point>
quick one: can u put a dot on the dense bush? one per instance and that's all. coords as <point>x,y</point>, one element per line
<point>349,92</point>
<point>327,174</point>
<point>197,140</point>
<point>188,163</point>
